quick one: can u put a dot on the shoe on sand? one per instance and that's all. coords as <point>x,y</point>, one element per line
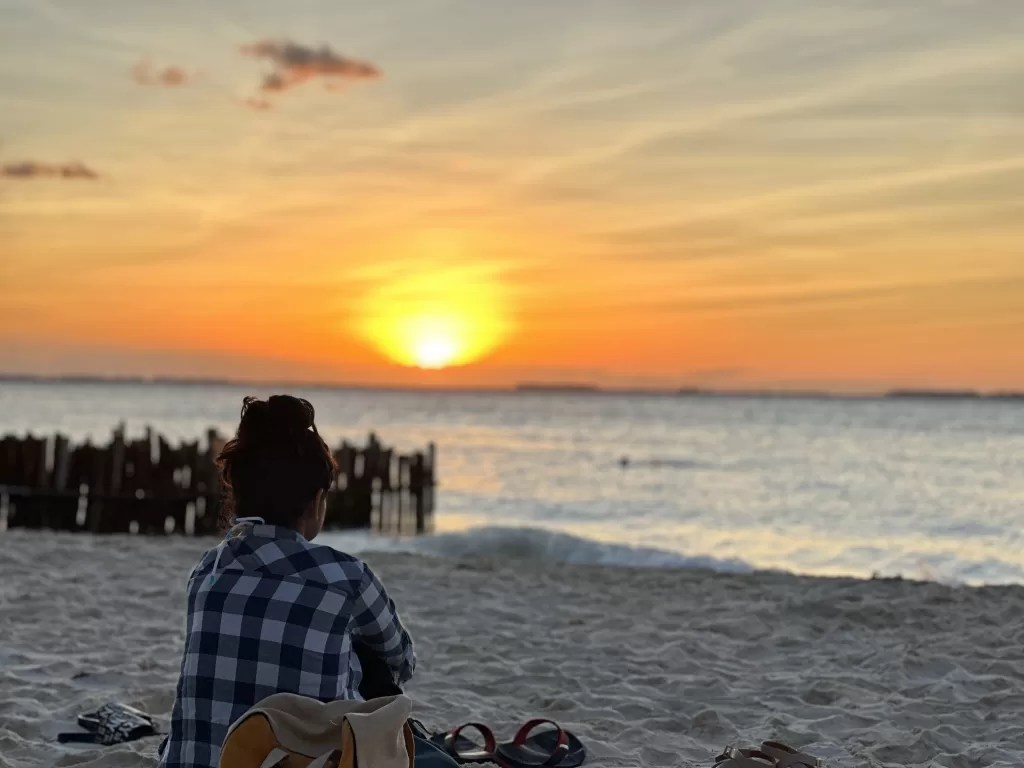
<point>734,757</point>
<point>90,721</point>
<point>463,749</point>
<point>111,724</point>
<point>550,748</point>
<point>787,757</point>
<point>554,747</point>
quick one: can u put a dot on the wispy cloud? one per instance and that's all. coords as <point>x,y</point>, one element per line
<point>144,73</point>
<point>257,103</point>
<point>33,170</point>
<point>295,64</point>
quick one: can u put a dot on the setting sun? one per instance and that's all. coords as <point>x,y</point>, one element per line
<point>435,318</point>
<point>431,341</point>
<point>435,350</point>
<point>435,338</point>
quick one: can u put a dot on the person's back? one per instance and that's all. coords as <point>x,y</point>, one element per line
<point>268,611</point>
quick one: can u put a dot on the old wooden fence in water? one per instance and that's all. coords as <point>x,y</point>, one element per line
<point>150,486</point>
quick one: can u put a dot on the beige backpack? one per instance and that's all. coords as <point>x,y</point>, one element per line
<point>289,731</point>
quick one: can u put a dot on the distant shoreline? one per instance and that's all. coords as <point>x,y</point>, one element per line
<point>525,388</point>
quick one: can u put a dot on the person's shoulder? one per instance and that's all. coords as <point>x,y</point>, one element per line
<point>342,557</point>
<point>335,567</point>
<point>344,560</point>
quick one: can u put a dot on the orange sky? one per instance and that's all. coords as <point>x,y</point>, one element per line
<point>627,194</point>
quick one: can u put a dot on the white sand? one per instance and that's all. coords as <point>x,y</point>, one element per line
<point>649,668</point>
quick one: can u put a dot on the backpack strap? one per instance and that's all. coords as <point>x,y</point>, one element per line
<point>330,759</point>
<point>274,759</point>
<point>326,760</point>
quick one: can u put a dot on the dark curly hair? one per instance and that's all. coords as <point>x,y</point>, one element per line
<point>276,462</point>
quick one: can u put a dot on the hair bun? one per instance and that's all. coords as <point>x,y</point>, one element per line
<point>276,462</point>
<point>292,413</point>
<point>279,417</point>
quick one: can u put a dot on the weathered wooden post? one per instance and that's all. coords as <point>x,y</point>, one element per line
<point>117,460</point>
<point>416,485</point>
<point>361,489</point>
<point>207,507</point>
<point>60,462</point>
<point>96,487</point>
<point>430,483</point>
<point>5,509</point>
<point>405,503</point>
<point>34,477</point>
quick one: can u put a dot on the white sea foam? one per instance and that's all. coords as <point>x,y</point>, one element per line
<point>529,544</point>
<point>549,546</point>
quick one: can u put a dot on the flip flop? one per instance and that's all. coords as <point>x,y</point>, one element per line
<point>111,724</point>
<point>733,757</point>
<point>465,750</point>
<point>553,748</point>
<point>787,757</point>
<point>90,721</point>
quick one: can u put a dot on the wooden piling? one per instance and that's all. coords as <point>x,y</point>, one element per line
<point>150,486</point>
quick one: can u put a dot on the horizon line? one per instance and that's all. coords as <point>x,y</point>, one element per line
<point>525,388</point>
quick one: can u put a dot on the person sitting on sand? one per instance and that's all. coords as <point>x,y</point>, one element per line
<point>269,612</point>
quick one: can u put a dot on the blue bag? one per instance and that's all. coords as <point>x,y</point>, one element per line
<point>432,756</point>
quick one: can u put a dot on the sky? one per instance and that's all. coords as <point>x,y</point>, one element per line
<point>662,193</point>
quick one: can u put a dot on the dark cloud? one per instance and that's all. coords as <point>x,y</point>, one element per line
<point>31,170</point>
<point>168,77</point>
<point>274,82</point>
<point>295,64</point>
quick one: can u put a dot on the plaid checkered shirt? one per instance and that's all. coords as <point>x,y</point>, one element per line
<point>278,615</point>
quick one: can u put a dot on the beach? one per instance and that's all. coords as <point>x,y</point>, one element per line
<point>650,667</point>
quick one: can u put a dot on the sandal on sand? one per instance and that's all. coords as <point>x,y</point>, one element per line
<point>554,748</point>
<point>787,757</point>
<point>111,724</point>
<point>463,749</point>
<point>732,757</point>
<point>90,721</point>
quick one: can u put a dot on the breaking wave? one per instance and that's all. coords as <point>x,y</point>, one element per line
<point>529,544</point>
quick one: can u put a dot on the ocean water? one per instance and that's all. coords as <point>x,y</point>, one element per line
<point>923,489</point>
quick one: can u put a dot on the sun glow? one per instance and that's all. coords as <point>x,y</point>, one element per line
<point>437,319</point>
<point>435,351</point>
